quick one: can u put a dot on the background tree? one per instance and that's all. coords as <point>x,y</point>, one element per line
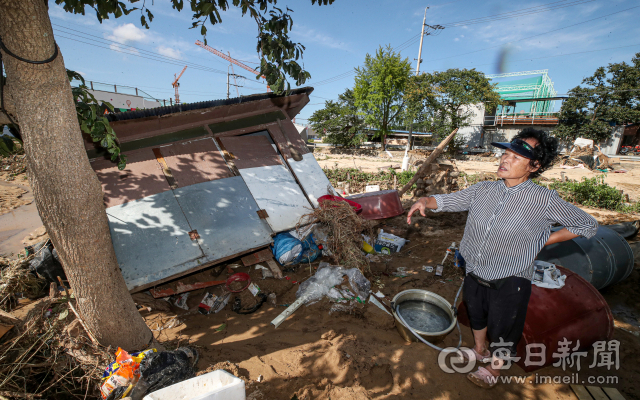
<point>68,194</point>
<point>379,88</point>
<point>339,121</point>
<point>442,101</point>
<point>610,96</point>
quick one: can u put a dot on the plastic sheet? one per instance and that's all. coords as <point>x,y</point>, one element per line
<point>316,287</point>
<point>46,262</point>
<point>159,370</point>
<point>360,285</point>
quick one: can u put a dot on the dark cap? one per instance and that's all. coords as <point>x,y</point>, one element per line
<point>519,146</point>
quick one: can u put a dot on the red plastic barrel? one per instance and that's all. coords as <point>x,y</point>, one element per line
<point>327,197</point>
<point>576,312</point>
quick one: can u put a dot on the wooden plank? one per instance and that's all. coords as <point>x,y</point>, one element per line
<point>181,288</point>
<point>597,393</point>
<point>581,392</point>
<point>613,393</point>
<point>261,256</point>
<point>273,266</point>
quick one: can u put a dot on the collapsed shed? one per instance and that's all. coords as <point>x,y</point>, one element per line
<point>205,182</point>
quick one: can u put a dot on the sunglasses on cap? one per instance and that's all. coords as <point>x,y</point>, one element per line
<point>519,146</point>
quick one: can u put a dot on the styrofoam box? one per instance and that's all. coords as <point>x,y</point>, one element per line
<point>216,385</point>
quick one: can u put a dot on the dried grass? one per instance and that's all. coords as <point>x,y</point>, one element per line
<point>344,232</point>
<point>15,277</point>
<point>43,361</point>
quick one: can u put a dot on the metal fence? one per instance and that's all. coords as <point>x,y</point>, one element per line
<point>538,118</point>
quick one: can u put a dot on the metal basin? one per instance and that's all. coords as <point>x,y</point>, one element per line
<point>430,315</point>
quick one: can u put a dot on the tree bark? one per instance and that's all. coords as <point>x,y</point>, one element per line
<point>67,192</point>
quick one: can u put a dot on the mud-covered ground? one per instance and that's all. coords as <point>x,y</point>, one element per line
<point>358,353</point>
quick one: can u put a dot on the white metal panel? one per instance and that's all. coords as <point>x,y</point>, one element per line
<point>151,240</point>
<point>276,191</point>
<point>225,216</point>
<point>312,178</point>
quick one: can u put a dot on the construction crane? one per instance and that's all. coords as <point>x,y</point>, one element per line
<point>176,85</point>
<point>230,59</point>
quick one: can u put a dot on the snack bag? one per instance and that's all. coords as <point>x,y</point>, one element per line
<point>123,371</point>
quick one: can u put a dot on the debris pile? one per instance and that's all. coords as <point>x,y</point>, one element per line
<point>344,230</point>
<point>441,177</point>
<point>16,281</point>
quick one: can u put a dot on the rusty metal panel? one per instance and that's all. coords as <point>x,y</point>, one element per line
<point>312,178</point>
<point>141,178</point>
<point>251,151</point>
<point>225,216</point>
<point>151,239</point>
<point>195,161</point>
<point>293,136</point>
<point>277,192</point>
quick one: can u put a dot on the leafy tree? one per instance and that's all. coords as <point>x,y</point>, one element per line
<point>379,88</point>
<point>339,121</point>
<point>441,101</point>
<point>610,96</point>
<point>69,198</point>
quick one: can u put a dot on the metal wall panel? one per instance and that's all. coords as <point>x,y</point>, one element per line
<point>311,176</point>
<point>142,177</point>
<point>277,192</point>
<point>151,240</point>
<point>225,215</point>
<point>195,161</point>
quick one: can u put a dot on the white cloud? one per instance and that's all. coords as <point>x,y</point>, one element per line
<point>456,39</point>
<point>127,33</point>
<point>126,49</point>
<point>170,52</point>
<point>311,35</point>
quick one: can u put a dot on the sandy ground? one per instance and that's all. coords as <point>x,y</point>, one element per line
<point>629,182</point>
<point>358,354</point>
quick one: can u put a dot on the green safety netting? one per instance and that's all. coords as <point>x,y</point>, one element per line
<point>535,87</point>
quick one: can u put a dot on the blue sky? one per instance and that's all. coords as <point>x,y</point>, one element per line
<point>571,40</point>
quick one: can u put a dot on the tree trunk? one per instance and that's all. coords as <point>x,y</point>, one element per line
<point>67,192</point>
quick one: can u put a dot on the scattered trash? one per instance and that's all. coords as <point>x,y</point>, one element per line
<point>212,303</point>
<point>546,275</point>
<point>254,289</point>
<point>260,378</point>
<point>288,249</point>
<point>238,308</point>
<point>182,288</point>
<point>272,299</point>
<point>122,373</point>
<point>46,262</point>
<point>373,258</point>
<point>387,243</point>
<point>428,268</point>
<point>344,229</point>
<point>232,282</point>
<point>372,188</point>
<point>181,301</point>
<point>266,272</point>
<point>162,369</point>
<point>439,269</point>
<point>172,323</point>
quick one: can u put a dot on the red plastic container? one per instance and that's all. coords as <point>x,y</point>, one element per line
<point>327,197</point>
<point>576,312</point>
<point>379,205</point>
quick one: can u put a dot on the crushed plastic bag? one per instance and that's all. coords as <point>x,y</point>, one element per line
<point>289,250</point>
<point>359,283</point>
<point>163,369</point>
<point>326,281</point>
<point>46,263</point>
<point>316,287</point>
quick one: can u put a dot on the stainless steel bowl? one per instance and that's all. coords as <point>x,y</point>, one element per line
<point>428,297</point>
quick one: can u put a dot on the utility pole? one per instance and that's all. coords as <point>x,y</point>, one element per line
<point>405,160</point>
<point>229,84</point>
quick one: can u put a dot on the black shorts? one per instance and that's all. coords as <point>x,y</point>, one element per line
<point>502,311</point>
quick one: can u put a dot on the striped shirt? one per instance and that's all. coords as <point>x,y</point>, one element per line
<point>508,226</point>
